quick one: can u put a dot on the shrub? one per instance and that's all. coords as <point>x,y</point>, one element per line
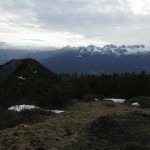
<point>143,101</point>
<point>91,97</point>
<point>10,119</point>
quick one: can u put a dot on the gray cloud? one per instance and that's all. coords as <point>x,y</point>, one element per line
<point>2,43</point>
<point>112,21</point>
<point>35,40</point>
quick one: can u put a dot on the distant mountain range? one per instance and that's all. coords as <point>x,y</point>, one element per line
<point>107,59</point>
<point>90,59</point>
<point>8,54</point>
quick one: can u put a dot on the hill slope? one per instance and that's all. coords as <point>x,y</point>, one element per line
<point>28,83</point>
<point>8,68</point>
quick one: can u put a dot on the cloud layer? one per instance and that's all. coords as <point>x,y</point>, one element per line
<point>74,22</point>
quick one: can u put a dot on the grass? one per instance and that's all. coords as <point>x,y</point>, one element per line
<point>97,125</point>
<point>118,132</point>
<point>9,119</point>
<point>143,101</point>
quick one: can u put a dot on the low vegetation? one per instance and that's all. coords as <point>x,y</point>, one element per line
<point>143,101</point>
<point>99,125</point>
<point>9,119</point>
<point>117,132</point>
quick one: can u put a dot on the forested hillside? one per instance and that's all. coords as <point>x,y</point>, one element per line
<point>31,83</point>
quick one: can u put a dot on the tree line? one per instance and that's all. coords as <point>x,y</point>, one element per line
<point>57,90</point>
<point>125,85</point>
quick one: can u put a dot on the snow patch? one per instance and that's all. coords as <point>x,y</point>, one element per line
<point>57,111</point>
<point>29,107</point>
<point>115,100</point>
<point>135,104</point>
<point>20,77</point>
<point>95,99</point>
<point>22,107</point>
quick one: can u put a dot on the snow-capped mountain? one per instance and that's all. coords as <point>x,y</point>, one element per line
<point>111,49</point>
<point>108,59</point>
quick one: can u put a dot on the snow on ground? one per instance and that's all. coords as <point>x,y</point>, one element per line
<point>29,107</point>
<point>57,111</point>
<point>115,100</point>
<point>22,107</point>
<point>20,77</point>
<point>95,99</point>
<point>135,104</point>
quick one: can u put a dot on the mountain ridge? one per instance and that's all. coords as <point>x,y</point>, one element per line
<point>82,61</point>
<point>110,49</point>
<point>92,59</point>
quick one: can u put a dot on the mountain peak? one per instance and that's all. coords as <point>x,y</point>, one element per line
<point>20,65</point>
<point>110,46</point>
<point>111,49</point>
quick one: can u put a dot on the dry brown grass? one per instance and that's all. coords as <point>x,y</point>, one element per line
<point>59,130</point>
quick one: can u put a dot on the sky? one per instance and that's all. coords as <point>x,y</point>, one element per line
<point>74,22</point>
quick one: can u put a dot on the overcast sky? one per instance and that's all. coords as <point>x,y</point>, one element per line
<point>74,22</point>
